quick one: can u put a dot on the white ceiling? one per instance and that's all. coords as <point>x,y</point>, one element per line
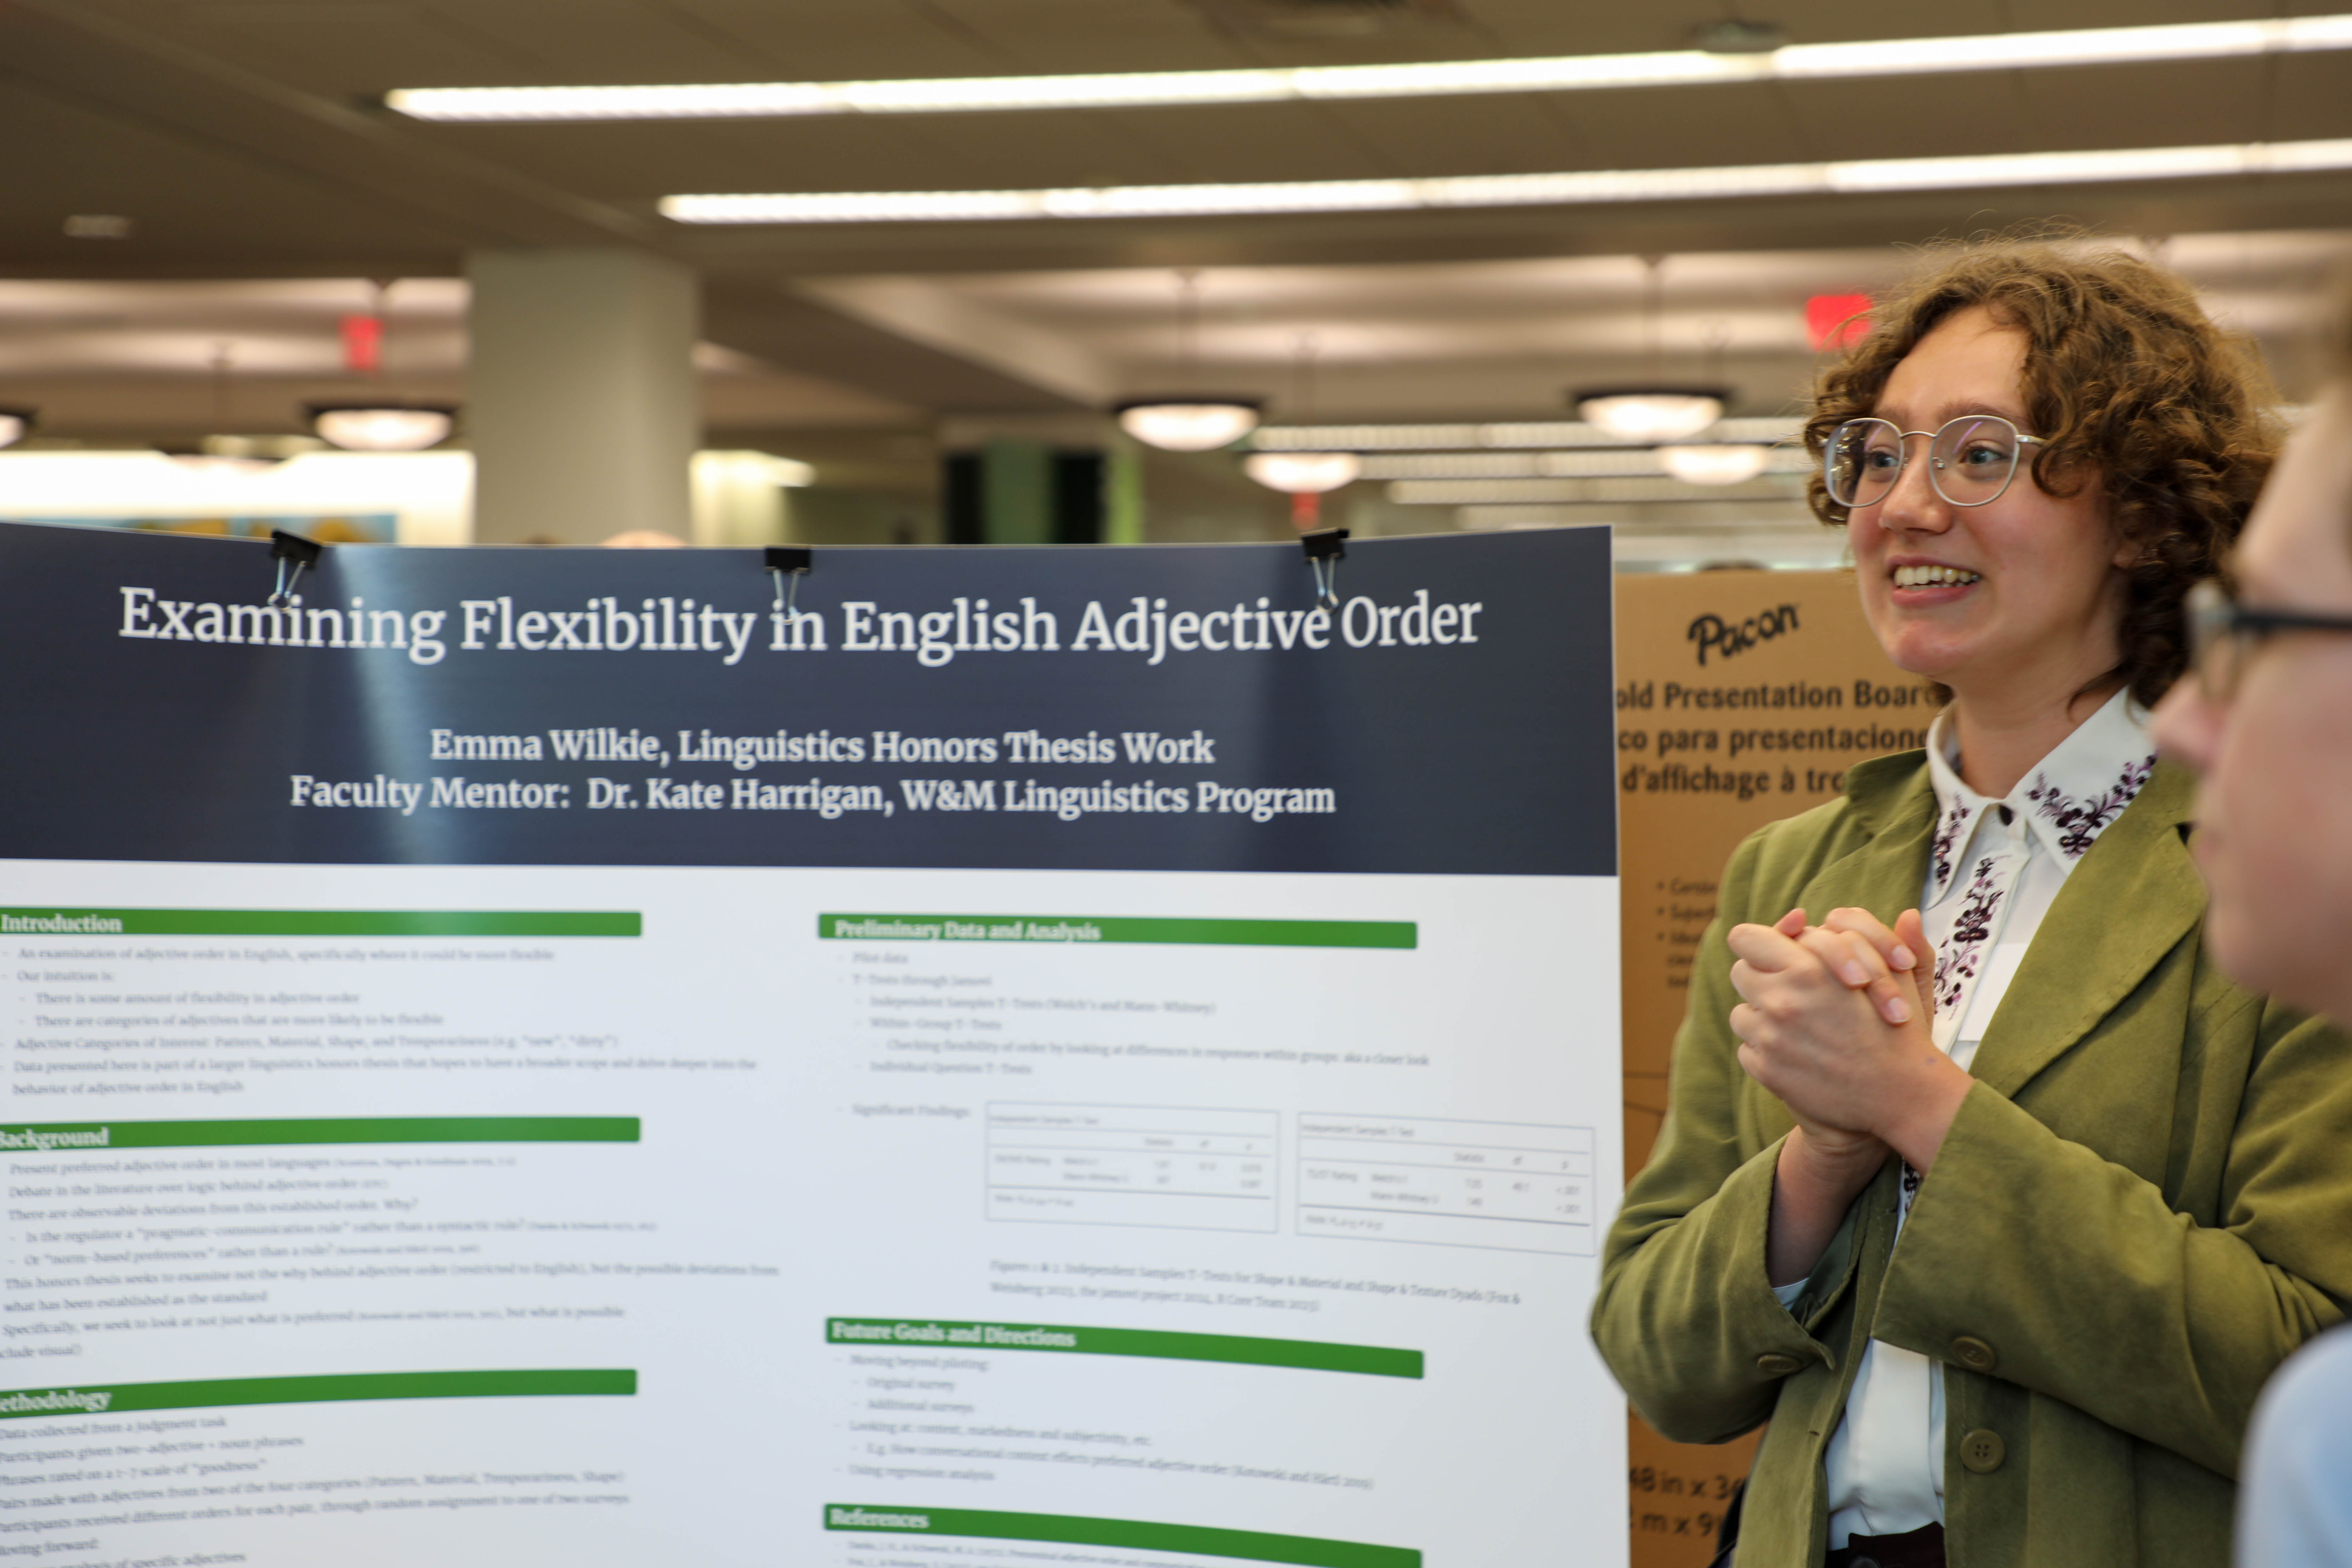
<point>266,184</point>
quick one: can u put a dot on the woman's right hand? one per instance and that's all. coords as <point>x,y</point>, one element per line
<point>1821,1168</point>
<point>1901,982</point>
<point>1843,962</point>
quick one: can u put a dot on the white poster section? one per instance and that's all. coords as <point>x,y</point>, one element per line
<point>842,1216</point>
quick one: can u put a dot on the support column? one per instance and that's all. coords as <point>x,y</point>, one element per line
<point>580,402</point>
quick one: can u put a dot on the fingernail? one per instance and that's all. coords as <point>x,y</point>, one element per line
<point>1897,1010</point>
<point>1853,974</point>
<point>1903,957</point>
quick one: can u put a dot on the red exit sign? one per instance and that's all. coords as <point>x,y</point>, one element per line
<point>1834,321</point>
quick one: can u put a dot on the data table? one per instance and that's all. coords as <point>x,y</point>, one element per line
<point>1521,1186</point>
<point>1133,1164</point>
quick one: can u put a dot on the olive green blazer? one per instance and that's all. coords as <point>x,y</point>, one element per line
<point>2144,1204</point>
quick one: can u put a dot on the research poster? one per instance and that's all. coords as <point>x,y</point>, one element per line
<point>1023,1056</point>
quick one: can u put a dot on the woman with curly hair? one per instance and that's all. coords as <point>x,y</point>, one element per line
<point>1978,1181</point>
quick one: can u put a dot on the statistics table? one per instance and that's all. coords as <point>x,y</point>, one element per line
<point>1517,1185</point>
<point>1132,1165</point>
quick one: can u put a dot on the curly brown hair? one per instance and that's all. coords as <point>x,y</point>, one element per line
<point>2129,383</point>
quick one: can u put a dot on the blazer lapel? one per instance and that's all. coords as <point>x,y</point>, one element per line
<point>1885,875</point>
<point>2132,899</point>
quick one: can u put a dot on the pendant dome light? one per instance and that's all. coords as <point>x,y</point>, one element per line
<point>1188,425</point>
<point>1188,422</point>
<point>1656,410</point>
<point>1646,413</point>
<point>1304,477</point>
<point>381,427</point>
<point>377,423</point>
<point>1303,473</point>
<point>1714,463</point>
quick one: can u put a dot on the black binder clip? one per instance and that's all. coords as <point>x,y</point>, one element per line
<point>286,547</point>
<point>788,561</point>
<point>1325,548</point>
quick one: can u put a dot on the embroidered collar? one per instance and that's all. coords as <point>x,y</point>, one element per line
<point>2067,799</point>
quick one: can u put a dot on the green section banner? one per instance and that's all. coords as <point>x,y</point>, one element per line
<point>1313,1356</point>
<point>1096,927</point>
<point>317,923</point>
<point>48,1137</point>
<point>115,1398</point>
<point>1136,1535</point>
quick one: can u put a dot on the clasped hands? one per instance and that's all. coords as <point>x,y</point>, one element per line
<point>1835,1021</point>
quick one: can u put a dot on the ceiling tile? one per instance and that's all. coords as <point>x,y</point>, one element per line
<point>601,41</point>
<point>1251,141</point>
<point>184,198</point>
<point>1685,128</point>
<point>1549,27</point>
<point>2309,96</point>
<point>1507,133</point>
<point>1052,37</point>
<point>850,40</point>
<point>1912,117</point>
<point>2058,13</point>
<point>346,47</point>
<point>2147,105</point>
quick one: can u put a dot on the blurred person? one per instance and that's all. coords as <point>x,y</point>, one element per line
<point>2267,723</point>
<point>2121,1183</point>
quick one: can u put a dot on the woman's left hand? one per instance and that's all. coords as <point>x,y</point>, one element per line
<point>1820,1042</point>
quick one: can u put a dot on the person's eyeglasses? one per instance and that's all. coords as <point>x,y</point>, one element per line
<point>1970,461</point>
<point>2224,635</point>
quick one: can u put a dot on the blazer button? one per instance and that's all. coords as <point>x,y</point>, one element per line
<point>1973,1353</point>
<point>1772,1364</point>
<point>1982,1451</point>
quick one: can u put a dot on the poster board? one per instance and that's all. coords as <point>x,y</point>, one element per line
<point>1742,697</point>
<point>549,1057</point>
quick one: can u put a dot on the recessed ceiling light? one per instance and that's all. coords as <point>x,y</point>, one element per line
<point>1675,68</point>
<point>2245,158</point>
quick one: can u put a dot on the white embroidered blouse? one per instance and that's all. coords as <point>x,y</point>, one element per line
<point>1994,871</point>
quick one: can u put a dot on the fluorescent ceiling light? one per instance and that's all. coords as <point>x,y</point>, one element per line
<point>1678,67</point>
<point>1587,463</point>
<point>1509,435</point>
<point>2248,159</point>
<point>1575,492</point>
<point>221,465</point>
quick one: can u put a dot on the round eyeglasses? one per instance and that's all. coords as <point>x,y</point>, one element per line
<point>1970,461</point>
